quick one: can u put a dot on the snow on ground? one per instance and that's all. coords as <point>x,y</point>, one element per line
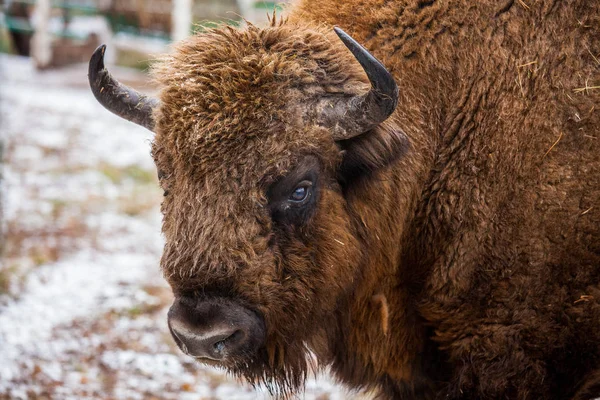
<point>82,303</point>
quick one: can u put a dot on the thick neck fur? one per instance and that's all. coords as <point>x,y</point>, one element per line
<point>383,318</point>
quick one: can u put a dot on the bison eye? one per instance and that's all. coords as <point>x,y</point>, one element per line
<point>301,193</point>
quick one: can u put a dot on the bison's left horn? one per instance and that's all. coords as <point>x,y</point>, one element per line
<point>351,117</point>
<point>118,98</point>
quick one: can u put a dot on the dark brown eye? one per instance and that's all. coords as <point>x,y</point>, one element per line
<point>301,193</point>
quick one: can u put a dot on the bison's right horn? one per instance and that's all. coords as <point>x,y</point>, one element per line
<point>354,116</point>
<point>118,98</point>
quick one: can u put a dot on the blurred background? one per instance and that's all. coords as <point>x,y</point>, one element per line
<point>82,303</point>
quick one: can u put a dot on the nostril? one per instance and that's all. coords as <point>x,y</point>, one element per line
<point>219,346</point>
<point>230,341</point>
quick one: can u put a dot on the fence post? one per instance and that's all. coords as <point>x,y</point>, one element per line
<point>246,8</point>
<point>182,19</point>
<point>41,42</point>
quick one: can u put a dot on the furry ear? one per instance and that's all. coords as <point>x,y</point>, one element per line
<point>371,151</point>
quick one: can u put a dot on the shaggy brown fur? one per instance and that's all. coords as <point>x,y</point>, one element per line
<point>472,214</point>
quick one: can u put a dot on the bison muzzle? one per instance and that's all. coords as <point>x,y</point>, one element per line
<point>215,329</point>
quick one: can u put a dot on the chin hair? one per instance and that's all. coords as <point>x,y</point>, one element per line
<point>283,373</point>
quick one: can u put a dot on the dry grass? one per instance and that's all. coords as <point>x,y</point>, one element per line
<point>524,5</point>
<point>587,211</point>
<point>586,89</point>
<point>553,145</point>
<point>529,72</point>
<point>135,173</point>
<point>593,56</point>
<point>27,247</point>
<point>44,229</point>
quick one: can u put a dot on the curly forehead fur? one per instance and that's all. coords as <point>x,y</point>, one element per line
<point>228,91</point>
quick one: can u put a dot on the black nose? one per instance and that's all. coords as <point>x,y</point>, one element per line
<point>217,329</point>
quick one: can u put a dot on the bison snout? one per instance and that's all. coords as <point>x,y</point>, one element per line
<point>216,329</point>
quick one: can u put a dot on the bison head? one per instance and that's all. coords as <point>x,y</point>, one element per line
<point>261,135</point>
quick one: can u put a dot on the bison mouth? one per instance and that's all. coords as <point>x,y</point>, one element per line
<point>216,331</point>
<point>221,332</point>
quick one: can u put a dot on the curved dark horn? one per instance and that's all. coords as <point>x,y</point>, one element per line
<point>351,117</point>
<point>118,98</point>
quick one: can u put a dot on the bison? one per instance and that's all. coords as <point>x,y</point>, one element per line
<point>422,217</point>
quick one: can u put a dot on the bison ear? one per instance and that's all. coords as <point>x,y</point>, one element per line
<point>371,151</point>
